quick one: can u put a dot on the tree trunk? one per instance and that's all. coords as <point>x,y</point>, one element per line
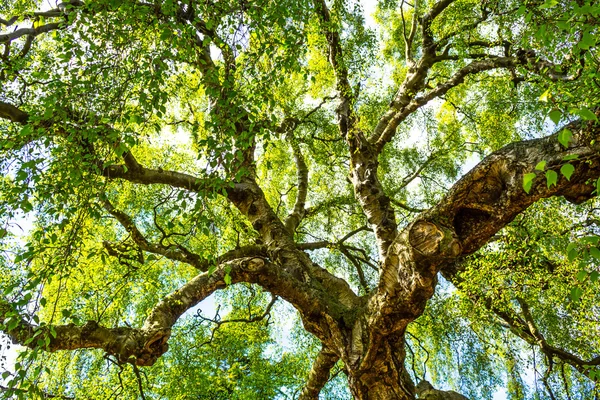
<point>382,376</point>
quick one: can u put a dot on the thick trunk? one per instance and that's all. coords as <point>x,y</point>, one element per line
<point>383,376</point>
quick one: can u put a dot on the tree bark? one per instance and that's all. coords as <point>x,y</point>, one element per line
<point>386,378</point>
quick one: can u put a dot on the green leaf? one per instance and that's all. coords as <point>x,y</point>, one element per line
<point>555,115</point>
<point>227,279</point>
<point>586,114</point>
<point>572,254</point>
<point>541,166</point>
<point>564,137</point>
<point>212,269</point>
<point>567,170</point>
<point>576,294</point>
<point>587,40</point>
<point>571,157</point>
<point>595,253</point>
<point>549,4</point>
<point>594,275</point>
<point>598,186</point>
<point>581,275</point>
<point>528,181</point>
<point>551,178</point>
<point>592,239</point>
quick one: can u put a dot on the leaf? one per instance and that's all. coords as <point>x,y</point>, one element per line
<point>586,114</point>
<point>572,254</point>
<point>571,157</point>
<point>567,170</point>
<point>598,186</point>
<point>595,252</point>
<point>549,4</point>
<point>594,275</point>
<point>227,279</point>
<point>212,269</point>
<point>545,96</point>
<point>528,181</point>
<point>576,294</point>
<point>555,115</point>
<point>582,275</point>
<point>541,165</point>
<point>588,40</point>
<point>564,137</point>
<point>592,239</point>
<point>551,178</point>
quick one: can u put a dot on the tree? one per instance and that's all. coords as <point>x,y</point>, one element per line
<point>291,153</point>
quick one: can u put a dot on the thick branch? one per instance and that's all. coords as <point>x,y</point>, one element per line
<point>9,37</point>
<point>363,159</point>
<point>144,345</point>
<point>12,113</point>
<point>479,205</point>
<point>319,374</point>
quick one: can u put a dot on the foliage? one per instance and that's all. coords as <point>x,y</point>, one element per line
<point>103,101</point>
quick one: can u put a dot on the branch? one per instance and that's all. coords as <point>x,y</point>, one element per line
<point>429,46</point>
<point>180,253</point>
<point>9,37</point>
<point>406,105</point>
<point>219,322</point>
<point>293,220</point>
<point>363,159</point>
<point>480,204</point>
<point>319,374</point>
<point>525,328</point>
<point>143,346</point>
<point>12,113</point>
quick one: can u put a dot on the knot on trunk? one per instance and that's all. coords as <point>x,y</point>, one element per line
<point>141,349</point>
<point>428,239</point>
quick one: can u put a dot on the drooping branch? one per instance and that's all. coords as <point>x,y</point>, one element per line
<point>319,374</point>
<point>523,327</point>
<point>218,322</point>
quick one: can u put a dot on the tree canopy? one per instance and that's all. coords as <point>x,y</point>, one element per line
<point>300,199</point>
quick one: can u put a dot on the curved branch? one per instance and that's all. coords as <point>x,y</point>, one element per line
<point>12,113</point>
<point>480,204</point>
<point>319,374</point>
<point>142,346</point>
<point>406,104</point>
<point>180,253</point>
